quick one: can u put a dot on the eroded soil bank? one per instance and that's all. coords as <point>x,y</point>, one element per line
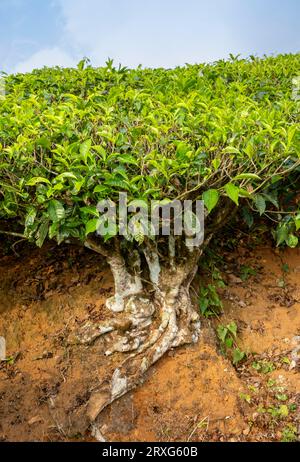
<point>193,394</point>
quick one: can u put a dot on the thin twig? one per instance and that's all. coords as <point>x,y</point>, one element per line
<point>8,233</point>
<point>198,426</point>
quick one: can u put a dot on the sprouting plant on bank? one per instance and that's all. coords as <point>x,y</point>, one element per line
<point>226,133</point>
<point>289,434</point>
<point>210,303</point>
<point>263,366</point>
<point>228,339</point>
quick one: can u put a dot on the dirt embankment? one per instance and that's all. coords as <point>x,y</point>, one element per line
<point>193,394</point>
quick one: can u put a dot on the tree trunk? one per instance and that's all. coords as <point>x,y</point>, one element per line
<point>151,319</point>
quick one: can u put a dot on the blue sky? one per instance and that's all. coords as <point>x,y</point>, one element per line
<point>154,33</point>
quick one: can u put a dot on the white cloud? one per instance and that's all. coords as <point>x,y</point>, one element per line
<point>155,33</point>
<point>46,57</point>
<point>161,33</point>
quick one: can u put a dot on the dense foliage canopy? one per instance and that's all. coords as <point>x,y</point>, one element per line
<point>70,137</point>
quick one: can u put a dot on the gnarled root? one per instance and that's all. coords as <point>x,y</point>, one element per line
<point>147,326</point>
<point>177,324</point>
<point>128,330</point>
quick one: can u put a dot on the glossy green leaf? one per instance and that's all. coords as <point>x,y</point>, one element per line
<point>232,192</point>
<point>37,180</point>
<point>56,211</point>
<point>260,203</point>
<point>210,198</point>
<point>91,226</point>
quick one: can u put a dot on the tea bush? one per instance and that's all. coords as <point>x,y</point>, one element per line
<point>226,133</point>
<point>71,137</point>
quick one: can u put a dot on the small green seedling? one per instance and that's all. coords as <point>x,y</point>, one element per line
<point>289,434</point>
<point>246,272</point>
<point>265,367</point>
<point>228,335</point>
<point>245,397</point>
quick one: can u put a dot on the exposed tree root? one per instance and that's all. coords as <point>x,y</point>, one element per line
<point>179,324</point>
<point>148,325</point>
<point>152,318</point>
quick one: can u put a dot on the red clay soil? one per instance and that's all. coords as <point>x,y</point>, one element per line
<point>193,394</point>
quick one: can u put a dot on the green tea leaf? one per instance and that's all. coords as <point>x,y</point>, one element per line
<point>42,233</point>
<point>231,150</point>
<point>56,211</point>
<point>232,192</point>
<point>210,198</point>
<point>92,226</point>
<point>260,203</point>
<point>36,180</point>
<point>85,149</point>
